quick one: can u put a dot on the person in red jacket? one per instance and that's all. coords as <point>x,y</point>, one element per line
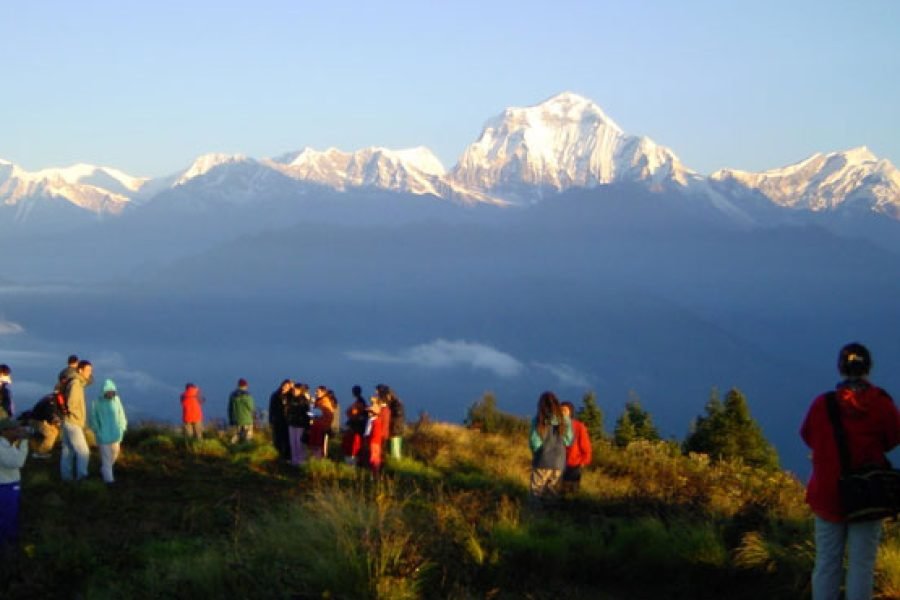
<point>578,453</point>
<point>321,424</point>
<point>377,432</point>
<point>871,424</point>
<point>192,412</point>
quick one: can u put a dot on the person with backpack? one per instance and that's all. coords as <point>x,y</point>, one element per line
<point>7,408</point>
<point>871,425</point>
<point>352,438</point>
<point>278,404</point>
<point>551,432</point>
<point>240,412</point>
<point>578,453</point>
<point>192,412</point>
<point>108,423</point>
<point>298,421</point>
<point>75,452</point>
<point>45,417</point>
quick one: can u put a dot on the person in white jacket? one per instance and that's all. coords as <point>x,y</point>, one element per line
<point>13,452</point>
<point>108,423</point>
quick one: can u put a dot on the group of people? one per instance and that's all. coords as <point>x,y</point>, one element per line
<point>302,423</point>
<point>63,414</point>
<point>560,448</point>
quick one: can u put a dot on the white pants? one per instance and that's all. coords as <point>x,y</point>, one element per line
<point>108,455</point>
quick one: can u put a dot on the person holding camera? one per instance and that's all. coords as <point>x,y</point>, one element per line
<point>13,452</point>
<point>871,427</point>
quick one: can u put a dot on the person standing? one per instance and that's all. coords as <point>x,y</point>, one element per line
<point>278,405</point>
<point>551,432</point>
<point>75,452</point>
<point>69,371</point>
<point>192,412</point>
<point>378,430</point>
<point>109,424</point>
<point>240,412</point>
<point>351,441</point>
<point>398,421</point>
<point>298,421</point>
<point>578,453</point>
<point>13,453</point>
<point>871,425</point>
<point>7,408</point>
<point>321,424</point>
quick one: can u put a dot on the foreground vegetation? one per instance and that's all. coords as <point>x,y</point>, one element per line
<point>452,520</point>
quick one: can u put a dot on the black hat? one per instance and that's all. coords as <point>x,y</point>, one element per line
<point>854,360</point>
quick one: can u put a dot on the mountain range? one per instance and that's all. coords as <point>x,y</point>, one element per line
<point>521,157</point>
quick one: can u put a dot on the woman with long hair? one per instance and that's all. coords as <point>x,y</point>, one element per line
<point>551,432</point>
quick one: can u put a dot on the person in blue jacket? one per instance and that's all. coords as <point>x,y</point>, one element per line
<point>551,432</point>
<point>108,423</point>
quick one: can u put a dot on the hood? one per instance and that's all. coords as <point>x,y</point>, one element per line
<point>191,391</point>
<point>109,386</point>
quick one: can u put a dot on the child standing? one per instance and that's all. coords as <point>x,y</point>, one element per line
<point>108,423</point>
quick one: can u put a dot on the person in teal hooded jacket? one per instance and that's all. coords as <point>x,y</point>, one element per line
<point>108,423</point>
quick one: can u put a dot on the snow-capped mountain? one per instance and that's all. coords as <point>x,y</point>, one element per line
<point>851,180</point>
<point>94,189</point>
<point>521,156</point>
<point>416,170</point>
<point>567,141</point>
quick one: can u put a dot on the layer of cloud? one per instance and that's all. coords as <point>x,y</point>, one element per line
<point>112,365</point>
<point>565,374</point>
<point>10,328</point>
<point>443,354</point>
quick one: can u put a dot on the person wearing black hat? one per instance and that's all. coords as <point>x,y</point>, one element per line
<point>871,425</point>
<point>240,412</point>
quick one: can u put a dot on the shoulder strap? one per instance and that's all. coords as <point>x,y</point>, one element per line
<point>837,426</point>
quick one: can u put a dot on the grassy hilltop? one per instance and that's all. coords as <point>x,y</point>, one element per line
<point>450,521</point>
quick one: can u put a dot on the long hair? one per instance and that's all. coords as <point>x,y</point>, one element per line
<point>548,410</point>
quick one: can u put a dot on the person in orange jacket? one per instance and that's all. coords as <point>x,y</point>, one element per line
<point>578,453</point>
<point>192,412</point>
<point>377,432</point>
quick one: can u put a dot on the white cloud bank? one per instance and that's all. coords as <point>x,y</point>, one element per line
<point>565,374</point>
<point>10,328</point>
<point>443,354</point>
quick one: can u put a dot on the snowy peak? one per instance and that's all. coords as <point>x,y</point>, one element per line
<point>206,163</point>
<point>415,170</point>
<point>853,179</point>
<point>95,189</point>
<point>566,141</point>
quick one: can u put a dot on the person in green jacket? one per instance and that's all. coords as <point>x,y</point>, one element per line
<point>108,423</point>
<point>240,412</point>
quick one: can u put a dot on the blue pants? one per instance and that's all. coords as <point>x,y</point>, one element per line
<point>74,450</point>
<point>861,542</point>
<point>9,512</point>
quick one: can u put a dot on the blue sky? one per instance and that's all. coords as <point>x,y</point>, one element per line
<point>148,86</point>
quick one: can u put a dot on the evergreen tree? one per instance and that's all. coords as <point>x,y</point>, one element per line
<point>634,424</point>
<point>591,415</point>
<point>484,415</point>
<point>728,431</point>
